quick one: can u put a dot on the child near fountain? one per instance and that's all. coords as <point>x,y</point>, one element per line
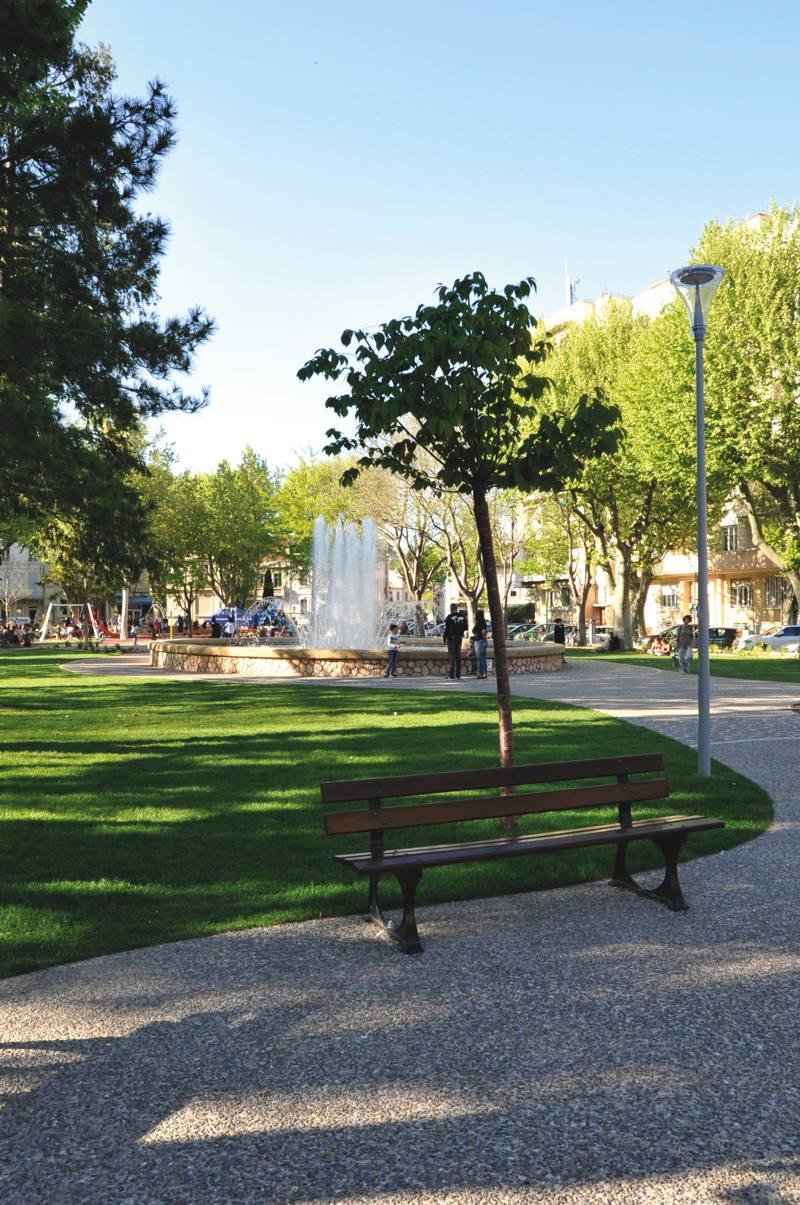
<point>393,644</point>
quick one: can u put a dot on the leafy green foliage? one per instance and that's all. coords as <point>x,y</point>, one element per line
<point>84,356</point>
<point>448,400</point>
<point>637,503</point>
<point>102,540</point>
<point>212,529</point>
<point>309,490</point>
<point>752,374</point>
<point>457,382</point>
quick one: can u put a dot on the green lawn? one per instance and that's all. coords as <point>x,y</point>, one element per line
<point>135,812</point>
<point>757,666</point>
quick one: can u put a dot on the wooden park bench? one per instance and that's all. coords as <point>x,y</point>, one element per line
<point>667,832</point>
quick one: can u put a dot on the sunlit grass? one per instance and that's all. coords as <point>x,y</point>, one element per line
<point>135,812</point>
<point>755,665</point>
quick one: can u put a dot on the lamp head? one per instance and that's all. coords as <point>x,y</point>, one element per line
<point>697,284</point>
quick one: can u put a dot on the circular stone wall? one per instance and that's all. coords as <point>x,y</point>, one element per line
<point>419,660</point>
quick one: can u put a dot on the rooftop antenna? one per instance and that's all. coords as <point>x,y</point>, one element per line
<point>570,287</point>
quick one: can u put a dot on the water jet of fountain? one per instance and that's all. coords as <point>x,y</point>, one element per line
<point>346,589</point>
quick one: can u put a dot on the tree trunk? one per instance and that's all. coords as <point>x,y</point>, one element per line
<point>641,593</point>
<point>623,619</point>
<point>587,585</point>
<point>419,617</point>
<point>472,607</point>
<point>484,525</point>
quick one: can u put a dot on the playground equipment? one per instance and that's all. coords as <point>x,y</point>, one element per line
<point>57,613</point>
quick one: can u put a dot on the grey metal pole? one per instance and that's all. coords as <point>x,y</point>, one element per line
<point>703,665</point>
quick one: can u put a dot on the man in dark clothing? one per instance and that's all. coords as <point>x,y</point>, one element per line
<point>560,637</point>
<point>454,628</point>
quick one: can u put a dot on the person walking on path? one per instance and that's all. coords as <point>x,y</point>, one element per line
<point>134,634</point>
<point>560,637</point>
<point>454,628</point>
<point>480,638</point>
<point>393,644</point>
<point>684,644</point>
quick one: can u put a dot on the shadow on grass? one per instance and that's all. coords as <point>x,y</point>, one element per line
<point>140,812</point>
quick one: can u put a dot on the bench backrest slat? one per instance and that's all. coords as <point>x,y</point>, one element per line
<point>494,776</point>
<point>449,811</point>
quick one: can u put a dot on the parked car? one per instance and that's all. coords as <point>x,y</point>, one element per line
<point>529,633</point>
<point>543,633</point>
<point>784,639</point>
<point>720,638</point>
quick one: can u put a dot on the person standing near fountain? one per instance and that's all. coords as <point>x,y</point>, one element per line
<point>393,644</point>
<point>480,637</point>
<point>454,628</point>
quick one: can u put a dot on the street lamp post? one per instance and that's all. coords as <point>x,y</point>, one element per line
<point>697,285</point>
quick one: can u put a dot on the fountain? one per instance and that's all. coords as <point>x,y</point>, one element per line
<point>346,630</point>
<point>346,587</point>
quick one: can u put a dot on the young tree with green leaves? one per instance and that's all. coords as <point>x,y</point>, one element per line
<point>558,543</point>
<point>447,398</point>
<point>239,526</point>
<point>176,523</point>
<point>84,355</point>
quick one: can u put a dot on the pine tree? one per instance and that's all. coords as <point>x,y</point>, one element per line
<point>84,355</point>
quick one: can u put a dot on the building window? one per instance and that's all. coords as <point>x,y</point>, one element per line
<point>741,594</point>
<point>774,591</point>
<point>730,538</point>
<point>669,597</point>
<point>277,578</point>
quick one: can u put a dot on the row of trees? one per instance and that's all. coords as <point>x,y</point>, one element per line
<point>428,535</point>
<point>461,402</point>
<point>625,510</point>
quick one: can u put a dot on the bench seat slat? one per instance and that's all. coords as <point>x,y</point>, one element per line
<point>489,807</point>
<point>503,847</point>
<point>494,776</point>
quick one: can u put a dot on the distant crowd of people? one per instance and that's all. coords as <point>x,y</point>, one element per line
<point>18,635</point>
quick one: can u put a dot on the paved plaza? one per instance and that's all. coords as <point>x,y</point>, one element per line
<point>580,1045</point>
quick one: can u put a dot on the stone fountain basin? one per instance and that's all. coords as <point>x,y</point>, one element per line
<point>419,659</point>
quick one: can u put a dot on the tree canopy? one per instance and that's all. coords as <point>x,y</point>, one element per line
<point>752,375</point>
<point>638,502</point>
<point>447,398</point>
<point>84,355</point>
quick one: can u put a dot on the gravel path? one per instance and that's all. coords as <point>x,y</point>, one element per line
<point>573,1046</point>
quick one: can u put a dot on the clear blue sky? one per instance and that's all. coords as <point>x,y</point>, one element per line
<point>336,161</point>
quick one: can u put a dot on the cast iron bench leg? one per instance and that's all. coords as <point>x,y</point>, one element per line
<point>669,891</point>
<point>404,931</point>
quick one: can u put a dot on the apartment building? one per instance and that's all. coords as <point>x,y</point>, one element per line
<point>25,590</point>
